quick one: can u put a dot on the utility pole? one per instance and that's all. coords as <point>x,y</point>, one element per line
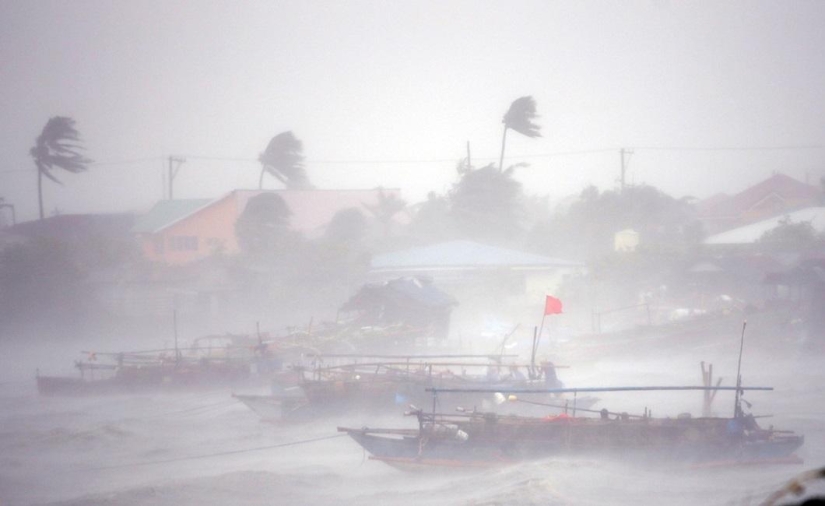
<point>173,171</point>
<point>622,152</point>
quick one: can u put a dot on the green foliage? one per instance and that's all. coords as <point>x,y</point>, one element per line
<point>284,160</point>
<point>348,226</point>
<point>487,204</point>
<point>40,280</point>
<point>586,231</point>
<point>263,228</point>
<point>790,236</point>
<point>388,206</point>
<point>520,116</point>
<point>57,147</point>
<point>432,221</point>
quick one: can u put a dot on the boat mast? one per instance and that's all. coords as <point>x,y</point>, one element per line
<point>737,405</point>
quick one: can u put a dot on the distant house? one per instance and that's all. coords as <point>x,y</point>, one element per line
<point>181,231</point>
<point>772,197</point>
<point>750,234</point>
<point>626,240</point>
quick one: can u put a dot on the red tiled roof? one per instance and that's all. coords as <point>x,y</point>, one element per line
<point>778,186</point>
<point>314,209</point>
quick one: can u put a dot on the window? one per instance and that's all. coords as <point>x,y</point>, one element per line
<point>183,243</point>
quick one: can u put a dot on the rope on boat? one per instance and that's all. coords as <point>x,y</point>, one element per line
<point>218,454</point>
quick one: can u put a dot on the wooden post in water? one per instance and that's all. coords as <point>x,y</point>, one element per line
<point>709,395</point>
<point>737,406</point>
<point>175,325</point>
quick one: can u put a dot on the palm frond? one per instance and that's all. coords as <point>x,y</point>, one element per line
<point>284,159</point>
<point>520,117</point>
<point>46,171</point>
<point>57,146</point>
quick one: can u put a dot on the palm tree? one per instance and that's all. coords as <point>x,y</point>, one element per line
<point>284,160</point>
<point>519,118</point>
<point>388,205</point>
<point>57,147</point>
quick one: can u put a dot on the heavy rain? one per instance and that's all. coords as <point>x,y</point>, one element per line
<point>412,253</point>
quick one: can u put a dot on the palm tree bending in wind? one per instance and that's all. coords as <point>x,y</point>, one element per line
<point>57,146</point>
<point>520,118</point>
<point>284,159</point>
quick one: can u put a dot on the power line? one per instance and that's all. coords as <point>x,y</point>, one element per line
<point>132,161</point>
<point>127,162</point>
<point>730,148</point>
<point>454,159</point>
<point>536,155</point>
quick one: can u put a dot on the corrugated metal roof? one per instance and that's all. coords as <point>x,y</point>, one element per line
<point>167,212</point>
<point>464,254</point>
<point>749,234</point>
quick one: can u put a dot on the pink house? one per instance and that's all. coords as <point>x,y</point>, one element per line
<point>177,232</point>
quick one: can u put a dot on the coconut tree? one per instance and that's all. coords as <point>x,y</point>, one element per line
<point>284,159</point>
<point>520,118</point>
<point>57,147</point>
<point>262,229</point>
<point>488,204</point>
<point>388,205</point>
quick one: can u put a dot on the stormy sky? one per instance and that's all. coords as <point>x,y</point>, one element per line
<point>711,96</point>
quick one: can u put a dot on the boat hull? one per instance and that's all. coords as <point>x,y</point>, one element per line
<point>493,440</point>
<point>132,380</point>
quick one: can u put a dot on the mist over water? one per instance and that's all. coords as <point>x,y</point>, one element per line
<point>177,169</point>
<point>179,448</point>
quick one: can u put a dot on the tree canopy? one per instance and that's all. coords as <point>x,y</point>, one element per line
<point>284,160</point>
<point>487,204</point>
<point>263,226</point>
<point>519,117</point>
<point>57,147</point>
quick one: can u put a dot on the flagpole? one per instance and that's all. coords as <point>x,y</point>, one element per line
<point>554,309</point>
<point>541,329</point>
<point>536,339</point>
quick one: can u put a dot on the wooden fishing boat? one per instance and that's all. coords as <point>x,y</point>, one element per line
<point>480,439</point>
<point>386,382</point>
<point>205,363</point>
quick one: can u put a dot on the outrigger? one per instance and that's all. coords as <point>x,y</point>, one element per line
<point>487,439</point>
<point>481,439</point>
<point>384,382</point>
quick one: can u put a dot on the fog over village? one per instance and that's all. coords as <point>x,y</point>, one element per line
<point>472,253</point>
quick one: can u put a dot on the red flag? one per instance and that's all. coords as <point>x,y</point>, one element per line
<point>552,305</point>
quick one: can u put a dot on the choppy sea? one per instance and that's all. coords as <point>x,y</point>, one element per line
<point>206,448</point>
